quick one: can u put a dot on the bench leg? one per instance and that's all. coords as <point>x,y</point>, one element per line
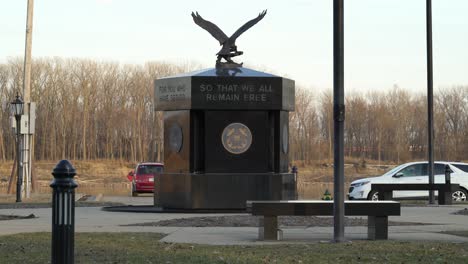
<point>268,228</point>
<point>385,195</point>
<point>377,227</point>
<point>388,195</point>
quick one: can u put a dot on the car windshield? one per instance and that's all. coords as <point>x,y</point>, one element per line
<point>462,167</point>
<point>394,170</point>
<point>149,169</point>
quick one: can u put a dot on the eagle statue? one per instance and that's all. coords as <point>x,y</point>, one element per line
<point>229,48</point>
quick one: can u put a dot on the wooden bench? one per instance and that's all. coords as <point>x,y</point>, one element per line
<point>377,213</point>
<point>385,190</point>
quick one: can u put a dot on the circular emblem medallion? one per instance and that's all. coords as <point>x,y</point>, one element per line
<point>175,138</point>
<point>236,138</point>
<point>285,139</point>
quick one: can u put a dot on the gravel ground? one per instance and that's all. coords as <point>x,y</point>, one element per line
<point>462,212</point>
<point>252,221</point>
<point>13,217</point>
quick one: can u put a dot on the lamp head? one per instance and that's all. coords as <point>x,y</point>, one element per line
<point>17,106</point>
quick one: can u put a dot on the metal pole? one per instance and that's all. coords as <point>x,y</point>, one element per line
<point>19,181</point>
<point>338,117</point>
<point>27,94</point>
<point>63,213</point>
<point>430,113</point>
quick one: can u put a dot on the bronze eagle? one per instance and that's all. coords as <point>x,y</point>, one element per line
<point>229,48</point>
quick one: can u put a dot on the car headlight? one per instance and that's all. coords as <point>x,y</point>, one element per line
<point>359,184</point>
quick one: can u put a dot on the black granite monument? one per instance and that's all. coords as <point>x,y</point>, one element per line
<point>226,135</point>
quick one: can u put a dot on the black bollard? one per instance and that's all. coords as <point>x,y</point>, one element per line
<point>294,171</point>
<point>448,171</point>
<point>63,213</point>
<point>445,196</point>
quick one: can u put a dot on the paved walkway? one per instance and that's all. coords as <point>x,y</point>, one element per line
<point>93,219</point>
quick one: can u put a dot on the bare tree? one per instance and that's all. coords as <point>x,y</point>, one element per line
<point>104,110</point>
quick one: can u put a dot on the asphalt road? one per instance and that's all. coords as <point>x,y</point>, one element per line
<point>93,219</point>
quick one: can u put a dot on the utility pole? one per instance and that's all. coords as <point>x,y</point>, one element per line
<point>27,139</point>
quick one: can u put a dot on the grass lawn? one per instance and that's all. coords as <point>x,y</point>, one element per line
<point>145,248</point>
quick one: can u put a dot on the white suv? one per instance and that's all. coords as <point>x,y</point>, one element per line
<point>413,172</point>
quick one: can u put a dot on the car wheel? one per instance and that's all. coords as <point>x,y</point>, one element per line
<point>373,196</point>
<point>133,191</point>
<point>459,195</point>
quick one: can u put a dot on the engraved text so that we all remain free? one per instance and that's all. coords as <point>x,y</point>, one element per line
<point>236,92</point>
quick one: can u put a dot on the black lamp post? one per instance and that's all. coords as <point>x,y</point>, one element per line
<point>17,109</point>
<point>430,100</point>
<point>339,118</point>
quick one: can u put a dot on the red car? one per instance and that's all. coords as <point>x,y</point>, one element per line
<point>142,177</point>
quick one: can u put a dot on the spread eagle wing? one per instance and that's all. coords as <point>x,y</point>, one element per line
<point>248,25</point>
<point>214,30</point>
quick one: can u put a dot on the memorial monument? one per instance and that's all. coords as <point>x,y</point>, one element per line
<point>226,133</point>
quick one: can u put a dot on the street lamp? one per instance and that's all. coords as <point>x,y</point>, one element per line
<point>430,100</point>
<point>17,109</point>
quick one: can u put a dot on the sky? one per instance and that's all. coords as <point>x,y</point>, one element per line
<point>385,40</point>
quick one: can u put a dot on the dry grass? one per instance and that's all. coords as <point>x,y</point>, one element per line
<point>314,179</point>
<point>106,177</point>
<point>322,171</point>
<point>109,177</point>
<point>96,171</point>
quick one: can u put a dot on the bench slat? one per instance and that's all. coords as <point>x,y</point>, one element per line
<point>303,208</point>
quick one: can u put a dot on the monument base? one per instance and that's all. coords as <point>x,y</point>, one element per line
<point>221,190</point>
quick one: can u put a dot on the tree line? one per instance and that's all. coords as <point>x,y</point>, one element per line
<point>386,126</point>
<point>102,110</point>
